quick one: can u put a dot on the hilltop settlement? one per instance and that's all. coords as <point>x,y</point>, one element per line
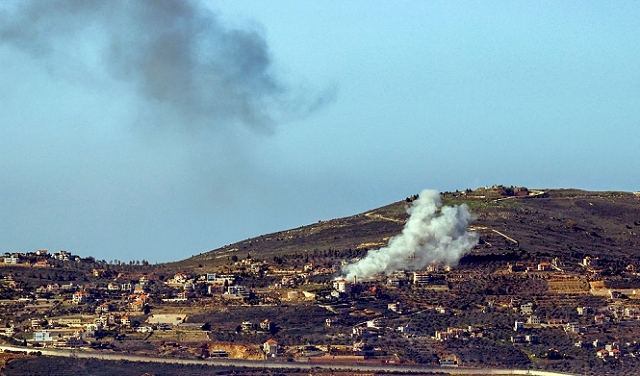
<point>551,284</point>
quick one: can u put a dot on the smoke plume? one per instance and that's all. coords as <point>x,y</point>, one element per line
<point>431,235</point>
<point>175,54</point>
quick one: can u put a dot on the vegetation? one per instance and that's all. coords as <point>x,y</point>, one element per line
<point>587,242</point>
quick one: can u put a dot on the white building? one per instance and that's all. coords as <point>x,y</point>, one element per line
<point>270,347</point>
<point>342,285</point>
<point>11,260</point>
<point>238,290</point>
<point>518,326</point>
<point>375,323</point>
<point>42,336</point>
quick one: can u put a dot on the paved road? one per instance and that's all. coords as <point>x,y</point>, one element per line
<point>282,365</point>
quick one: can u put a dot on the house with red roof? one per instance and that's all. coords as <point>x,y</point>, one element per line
<point>270,347</point>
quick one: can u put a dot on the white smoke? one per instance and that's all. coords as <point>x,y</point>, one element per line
<point>431,235</point>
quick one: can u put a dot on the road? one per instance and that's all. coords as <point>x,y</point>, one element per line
<point>283,365</point>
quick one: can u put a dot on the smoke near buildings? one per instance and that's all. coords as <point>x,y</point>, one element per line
<point>432,234</point>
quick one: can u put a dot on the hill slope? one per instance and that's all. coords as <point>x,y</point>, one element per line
<point>564,222</point>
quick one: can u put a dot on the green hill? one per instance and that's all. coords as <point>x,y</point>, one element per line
<point>513,223</point>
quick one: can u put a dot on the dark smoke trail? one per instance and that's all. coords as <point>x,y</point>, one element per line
<point>174,53</point>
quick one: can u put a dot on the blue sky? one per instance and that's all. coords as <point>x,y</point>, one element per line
<point>113,144</point>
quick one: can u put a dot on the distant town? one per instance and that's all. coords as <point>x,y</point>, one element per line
<point>62,300</point>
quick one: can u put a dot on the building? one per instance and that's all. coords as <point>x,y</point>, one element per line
<point>449,360</point>
<point>329,321</point>
<point>80,297</point>
<point>180,278</point>
<point>591,262</point>
<point>238,291</point>
<point>12,260</point>
<point>102,308</point>
<point>601,319</point>
<point>393,282</point>
<point>342,285</point>
<point>91,329</point>
<point>270,347</point>
<point>99,273</point>
<point>405,329</point>
<point>442,335</point>
<point>517,339</point>
<point>584,310</point>
<point>42,336</point>
<point>137,306</point>
<point>72,322</point>
<point>35,324</point>
<point>215,289</point>
<point>544,266</point>
<point>229,279</point>
<point>376,323</point>
<point>518,326</point>
<point>420,278</point>
<point>517,267</point>
<point>358,331</point>
<point>573,327</point>
<point>70,341</point>
<point>266,325</point>
<point>433,268</point>
<point>526,309</point>
<point>62,256</point>
<point>395,307</point>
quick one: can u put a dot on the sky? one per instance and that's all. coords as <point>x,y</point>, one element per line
<point>160,129</point>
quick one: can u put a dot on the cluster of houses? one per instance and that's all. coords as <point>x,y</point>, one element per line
<point>601,317</point>
<point>74,331</point>
<point>114,314</point>
<point>217,284</point>
<point>135,297</point>
<point>38,259</point>
<point>543,266</point>
<point>451,333</point>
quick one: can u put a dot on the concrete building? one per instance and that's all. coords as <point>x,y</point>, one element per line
<point>270,347</point>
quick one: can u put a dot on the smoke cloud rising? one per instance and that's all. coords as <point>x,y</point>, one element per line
<point>175,54</point>
<point>431,235</point>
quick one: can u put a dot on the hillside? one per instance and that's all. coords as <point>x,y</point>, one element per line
<point>525,297</point>
<point>545,223</point>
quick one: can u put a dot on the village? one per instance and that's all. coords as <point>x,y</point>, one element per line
<point>531,313</point>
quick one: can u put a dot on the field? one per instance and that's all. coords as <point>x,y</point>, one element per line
<point>568,286</point>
